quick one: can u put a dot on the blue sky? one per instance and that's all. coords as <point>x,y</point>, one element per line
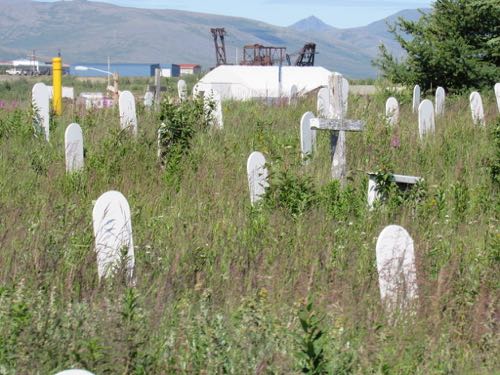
<point>338,13</point>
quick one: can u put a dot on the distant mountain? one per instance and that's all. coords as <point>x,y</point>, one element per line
<point>311,23</point>
<point>88,31</point>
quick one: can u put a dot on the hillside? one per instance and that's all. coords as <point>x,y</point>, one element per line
<point>90,31</point>
<point>222,287</point>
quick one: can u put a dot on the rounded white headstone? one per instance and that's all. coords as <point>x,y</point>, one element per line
<point>113,233</point>
<point>323,103</point>
<point>497,94</point>
<point>73,144</point>
<point>128,116</point>
<point>148,99</point>
<point>75,372</point>
<point>396,266</point>
<point>392,111</point>
<point>440,98</point>
<point>182,89</point>
<point>476,107</point>
<point>426,122</point>
<point>41,103</point>
<point>416,98</point>
<point>213,107</point>
<point>307,135</point>
<point>257,176</point>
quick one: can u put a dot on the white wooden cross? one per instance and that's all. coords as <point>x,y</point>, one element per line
<point>338,125</point>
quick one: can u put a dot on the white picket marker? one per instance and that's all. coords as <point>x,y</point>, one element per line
<point>396,267</point>
<point>345,95</point>
<point>476,107</point>
<point>307,135</point>
<point>497,94</point>
<point>113,234</point>
<point>426,121</point>
<point>75,372</point>
<point>392,111</point>
<point>40,96</point>
<point>294,93</point>
<point>182,89</point>
<point>73,144</point>
<point>416,98</point>
<point>149,98</point>
<point>257,176</point>
<point>213,108</point>
<point>323,103</point>
<point>128,116</point>
<point>440,98</point>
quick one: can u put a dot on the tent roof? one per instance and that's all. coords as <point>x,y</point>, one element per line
<point>245,82</point>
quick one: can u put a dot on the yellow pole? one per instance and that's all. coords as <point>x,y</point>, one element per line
<point>57,85</point>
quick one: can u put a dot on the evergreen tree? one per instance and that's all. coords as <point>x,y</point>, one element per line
<point>456,46</point>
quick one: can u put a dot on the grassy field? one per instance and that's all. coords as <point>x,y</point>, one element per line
<point>223,287</point>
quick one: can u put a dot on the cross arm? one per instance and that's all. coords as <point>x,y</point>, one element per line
<point>337,125</point>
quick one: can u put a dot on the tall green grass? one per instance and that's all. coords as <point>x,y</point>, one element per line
<point>221,285</point>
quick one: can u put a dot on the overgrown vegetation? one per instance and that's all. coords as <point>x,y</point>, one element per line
<point>221,286</point>
<point>455,46</point>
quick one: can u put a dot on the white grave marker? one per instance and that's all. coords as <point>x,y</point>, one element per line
<point>337,125</point>
<point>392,111</point>
<point>396,267</point>
<point>213,108</point>
<point>476,107</point>
<point>75,372</point>
<point>497,94</point>
<point>403,182</point>
<point>182,89</point>
<point>307,135</point>
<point>416,98</point>
<point>41,104</point>
<point>294,93</point>
<point>128,116</point>
<point>73,143</point>
<point>323,103</point>
<point>426,122</point>
<point>345,94</point>
<point>257,176</point>
<point>440,97</point>
<point>149,99</point>
<point>113,234</point>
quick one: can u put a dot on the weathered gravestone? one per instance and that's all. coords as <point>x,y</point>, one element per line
<point>403,182</point>
<point>497,94</point>
<point>426,122</point>
<point>41,105</point>
<point>257,176</point>
<point>440,98</point>
<point>323,103</point>
<point>75,372</point>
<point>307,135</point>
<point>392,111</point>
<point>213,108</point>
<point>396,268</point>
<point>128,116</point>
<point>73,144</point>
<point>337,125</point>
<point>113,235</point>
<point>476,107</point>
<point>149,99</point>
<point>182,89</point>
<point>416,98</point>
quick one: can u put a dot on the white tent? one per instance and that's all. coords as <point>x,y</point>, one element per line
<point>240,82</point>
